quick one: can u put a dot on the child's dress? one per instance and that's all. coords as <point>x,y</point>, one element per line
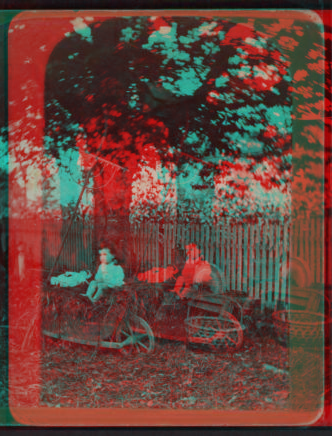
<point>110,274</point>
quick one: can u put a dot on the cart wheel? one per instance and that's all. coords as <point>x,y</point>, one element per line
<point>140,332</point>
<point>229,335</point>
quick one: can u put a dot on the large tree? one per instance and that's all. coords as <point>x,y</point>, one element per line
<point>201,90</point>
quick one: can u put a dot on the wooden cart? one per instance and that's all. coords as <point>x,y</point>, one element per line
<point>113,322</point>
<point>129,318</point>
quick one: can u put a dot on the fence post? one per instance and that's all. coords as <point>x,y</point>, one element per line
<point>157,246</point>
<point>285,260</point>
<point>239,258</point>
<point>228,255</point>
<point>165,244</point>
<point>182,235</point>
<point>270,259</point>
<point>251,259</point>
<point>233,247</point>
<point>264,287</point>
<point>277,262</point>
<point>245,257</point>
<point>207,241</point>
<point>223,248</point>
<point>141,246</point>
<point>257,258</point>
<point>218,245</point>
<point>212,244</point>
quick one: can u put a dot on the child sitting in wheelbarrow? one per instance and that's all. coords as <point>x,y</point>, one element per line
<point>109,275</point>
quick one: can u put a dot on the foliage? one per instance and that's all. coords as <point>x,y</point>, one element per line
<point>226,83</point>
<point>253,188</point>
<point>208,91</point>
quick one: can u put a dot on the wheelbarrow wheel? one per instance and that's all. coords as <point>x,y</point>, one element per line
<point>142,337</point>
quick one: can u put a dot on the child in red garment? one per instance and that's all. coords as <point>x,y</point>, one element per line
<point>195,270</point>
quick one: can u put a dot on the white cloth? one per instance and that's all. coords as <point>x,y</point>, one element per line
<point>71,279</point>
<point>110,274</point>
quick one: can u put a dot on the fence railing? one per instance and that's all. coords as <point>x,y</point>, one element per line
<point>253,256</point>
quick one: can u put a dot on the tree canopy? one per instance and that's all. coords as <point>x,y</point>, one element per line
<point>202,90</point>
<point>209,102</point>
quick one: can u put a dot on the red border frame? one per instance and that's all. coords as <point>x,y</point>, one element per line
<point>117,417</point>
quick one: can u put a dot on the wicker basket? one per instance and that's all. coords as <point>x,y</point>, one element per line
<point>222,332</point>
<point>299,324</point>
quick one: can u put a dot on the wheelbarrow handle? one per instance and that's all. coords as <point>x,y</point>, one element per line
<point>224,297</point>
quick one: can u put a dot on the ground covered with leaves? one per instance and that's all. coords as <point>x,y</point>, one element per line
<point>172,377</point>
<point>65,374</point>
<point>259,376</point>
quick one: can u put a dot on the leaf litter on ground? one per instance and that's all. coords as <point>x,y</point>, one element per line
<point>171,377</point>
<point>74,375</point>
